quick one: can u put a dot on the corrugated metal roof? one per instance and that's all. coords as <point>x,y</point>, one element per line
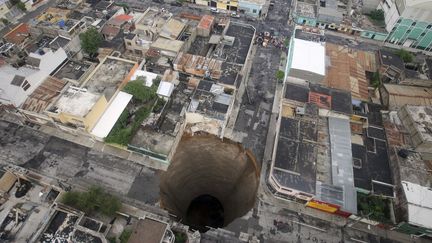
<point>400,95</point>
<point>341,160</point>
<point>7,181</point>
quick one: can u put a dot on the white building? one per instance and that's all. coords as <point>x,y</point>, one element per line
<point>306,61</point>
<point>18,83</point>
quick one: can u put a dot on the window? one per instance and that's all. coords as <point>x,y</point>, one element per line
<point>413,24</point>
<point>26,85</point>
<point>423,34</point>
<point>254,11</point>
<point>429,26</point>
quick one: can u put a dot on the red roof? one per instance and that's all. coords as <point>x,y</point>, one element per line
<point>123,17</point>
<point>18,34</point>
<point>206,22</point>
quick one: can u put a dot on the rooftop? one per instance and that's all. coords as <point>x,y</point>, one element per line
<point>58,42</point>
<point>206,22</point>
<point>18,34</point>
<point>198,65</point>
<point>154,18</point>
<point>419,204</point>
<point>305,9</point>
<point>72,70</point>
<point>209,99</point>
<point>324,97</point>
<point>108,76</point>
<point>422,117</point>
<point>408,95</point>
<point>172,29</point>
<point>75,102</point>
<point>148,230</point>
<point>308,56</point>
<point>167,44</point>
<point>391,59</point>
<point>43,95</point>
<point>346,70</point>
<point>342,162</point>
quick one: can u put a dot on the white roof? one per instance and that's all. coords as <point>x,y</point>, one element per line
<point>16,95</point>
<point>148,75</point>
<point>308,56</point>
<point>165,89</point>
<point>76,102</point>
<point>111,115</point>
<point>419,204</point>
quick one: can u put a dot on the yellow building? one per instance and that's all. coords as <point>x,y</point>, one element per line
<point>78,108</point>
<point>220,4</point>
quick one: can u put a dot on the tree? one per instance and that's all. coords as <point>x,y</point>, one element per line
<point>376,80</point>
<point>94,200</point>
<point>139,91</point>
<point>21,6</point>
<point>280,75</point>
<point>5,21</point>
<point>377,15</point>
<point>90,41</point>
<point>405,55</point>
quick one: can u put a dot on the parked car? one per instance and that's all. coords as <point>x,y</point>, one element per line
<point>235,15</point>
<point>214,10</point>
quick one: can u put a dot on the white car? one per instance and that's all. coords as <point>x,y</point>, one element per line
<point>214,10</point>
<point>235,15</point>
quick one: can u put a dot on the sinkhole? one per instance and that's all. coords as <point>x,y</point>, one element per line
<point>210,182</point>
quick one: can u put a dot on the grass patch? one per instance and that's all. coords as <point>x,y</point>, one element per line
<point>125,235</point>
<point>92,201</point>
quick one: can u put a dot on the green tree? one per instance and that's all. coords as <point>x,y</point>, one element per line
<point>377,15</point>
<point>90,41</point>
<point>94,200</point>
<point>125,235</point>
<point>139,91</point>
<point>21,6</point>
<point>405,55</point>
<point>376,80</point>
<point>5,21</point>
<point>280,75</point>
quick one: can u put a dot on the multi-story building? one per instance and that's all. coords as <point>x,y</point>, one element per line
<point>408,22</point>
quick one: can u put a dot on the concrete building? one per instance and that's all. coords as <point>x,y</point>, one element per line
<point>395,96</point>
<point>82,107</point>
<point>18,83</point>
<point>220,4</point>
<point>408,23</point>
<point>56,21</point>
<point>148,230</point>
<point>19,36</point>
<point>251,8</point>
<point>306,60</point>
<point>418,122</point>
<point>419,205</point>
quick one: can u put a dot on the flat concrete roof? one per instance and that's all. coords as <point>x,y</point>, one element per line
<point>75,102</point>
<point>308,56</point>
<point>148,230</point>
<point>108,76</point>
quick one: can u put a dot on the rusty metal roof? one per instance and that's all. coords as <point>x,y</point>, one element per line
<point>347,70</point>
<point>39,100</point>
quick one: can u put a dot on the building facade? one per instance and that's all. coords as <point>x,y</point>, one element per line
<point>409,23</point>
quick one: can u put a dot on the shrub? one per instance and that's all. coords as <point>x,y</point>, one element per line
<point>140,92</point>
<point>406,56</point>
<point>280,75</point>
<point>377,15</point>
<point>94,200</point>
<point>125,235</point>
